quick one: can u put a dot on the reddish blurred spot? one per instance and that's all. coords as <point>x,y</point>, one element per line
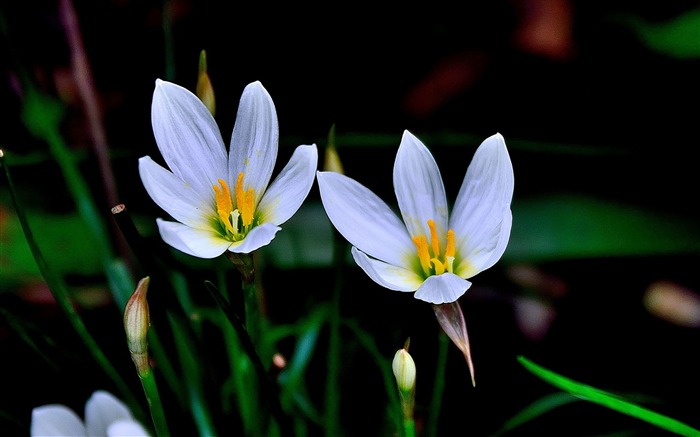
<point>531,277</point>
<point>279,361</point>
<point>545,28</point>
<point>450,77</point>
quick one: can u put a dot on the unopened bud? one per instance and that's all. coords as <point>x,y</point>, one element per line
<point>205,90</point>
<point>332,159</point>
<point>404,370</point>
<point>405,373</point>
<point>137,320</point>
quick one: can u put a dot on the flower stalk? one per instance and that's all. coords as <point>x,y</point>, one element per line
<point>405,373</point>
<point>137,321</point>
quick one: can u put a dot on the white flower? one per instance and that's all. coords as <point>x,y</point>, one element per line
<point>105,415</point>
<point>429,252</point>
<point>221,200</point>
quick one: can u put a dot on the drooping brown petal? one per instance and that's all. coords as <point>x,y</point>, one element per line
<point>451,319</point>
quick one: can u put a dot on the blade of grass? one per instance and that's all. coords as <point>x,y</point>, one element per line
<point>384,365</point>
<point>60,293</point>
<point>536,409</point>
<point>270,389</point>
<point>42,115</point>
<point>431,426</point>
<point>608,400</point>
<point>192,378</point>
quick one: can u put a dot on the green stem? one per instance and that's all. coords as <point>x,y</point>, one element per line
<point>145,258</point>
<point>242,384</point>
<point>438,387</point>
<point>409,427</point>
<point>148,381</point>
<point>267,385</point>
<point>332,412</point>
<point>60,293</point>
<point>192,376</point>
<point>252,313</point>
<point>367,341</point>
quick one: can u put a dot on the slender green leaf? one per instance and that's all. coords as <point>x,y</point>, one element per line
<point>384,364</point>
<point>608,400</point>
<point>536,409</point>
<point>192,377</point>
<point>60,292</point>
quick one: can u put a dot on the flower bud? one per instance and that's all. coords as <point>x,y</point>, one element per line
<point>205,90</point>
<point>404,370</point>
<point>332,159</point>
<point>405,373</point>
<point>136,324</point>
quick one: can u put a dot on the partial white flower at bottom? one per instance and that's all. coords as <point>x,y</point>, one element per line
<point>105,415</point>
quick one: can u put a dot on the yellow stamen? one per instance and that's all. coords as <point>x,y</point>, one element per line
<point>450,249</point>
<point>437,264</point>
<point>434,238</point>
<point>422,245</point>
<point>244,201</point>
<point>224,206</point>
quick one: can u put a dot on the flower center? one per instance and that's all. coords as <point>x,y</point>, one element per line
<point>237,222</point>
<point>432,260</point>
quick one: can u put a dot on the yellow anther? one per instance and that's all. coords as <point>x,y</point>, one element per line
<point>224,206</point>
<point>436,264</point>
<point>434,243</point>
<point>245,202</point>
<point>450,249</point>
<point>422,245</point>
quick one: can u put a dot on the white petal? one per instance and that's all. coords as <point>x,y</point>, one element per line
<point>101,410</point>
<point>289,189</point>
<point>443,288</point>
<point>176,197</point>
<point>419,188</point>
<point>365,220</point>
<point>387,275</point>
<point>480,217</point>
<point>56,420</point>
<point>126,428</point>
<point>187,136</point>
<point>192,241</point>
<point>254,140</point>
<point>491,251</point>
<point>258,237</point>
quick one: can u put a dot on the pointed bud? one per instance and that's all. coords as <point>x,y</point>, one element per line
<point>405,373</point>
<point>451,320</point>
<point>404,370</point>
<point>205,90</point>
<point>136,324</point>
<point>332,159</point>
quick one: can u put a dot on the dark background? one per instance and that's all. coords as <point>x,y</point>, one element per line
<point>583,82</point>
